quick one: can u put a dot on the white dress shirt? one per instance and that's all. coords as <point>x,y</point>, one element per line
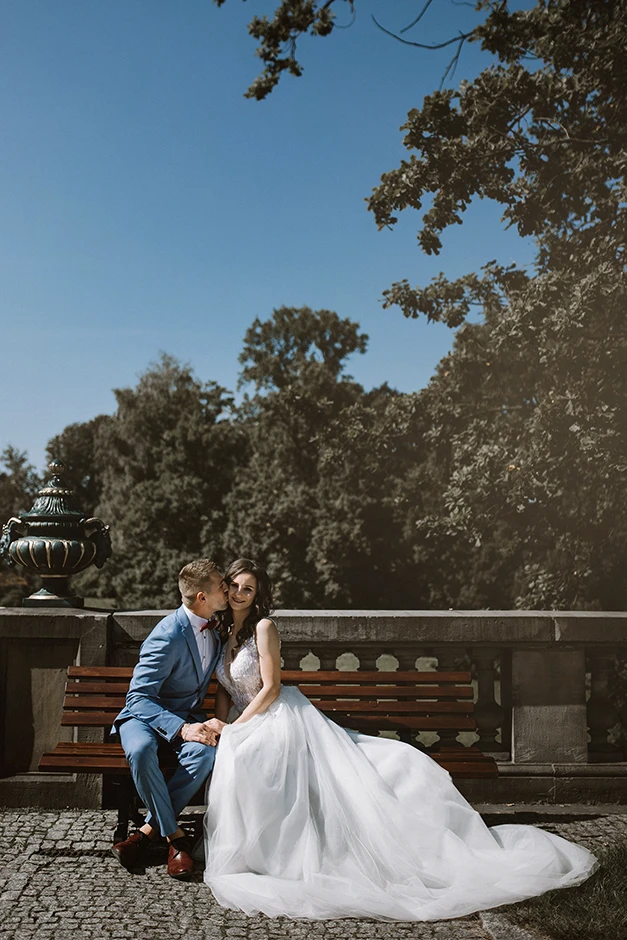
<point>205,640</point>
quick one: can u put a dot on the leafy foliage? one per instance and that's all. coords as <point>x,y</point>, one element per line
<point>168,456</point>
<point>76,447</point>
<point>501,484</point>
<point>277,38</point>
<point>295,360</point>
<point>544,140</point>
<point>529,408</point>
<point>18,487</point>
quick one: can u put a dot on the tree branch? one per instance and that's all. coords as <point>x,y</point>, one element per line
<point>422,45</point>
<point>419,17</point>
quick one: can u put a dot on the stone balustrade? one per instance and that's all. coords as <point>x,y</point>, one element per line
<point>546,703</point>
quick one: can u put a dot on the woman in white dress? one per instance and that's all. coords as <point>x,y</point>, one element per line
<point>308,820</point>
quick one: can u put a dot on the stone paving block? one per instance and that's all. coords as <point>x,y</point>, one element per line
<point>65,885</point>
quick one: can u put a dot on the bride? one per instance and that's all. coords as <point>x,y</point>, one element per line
<point>308,820</point>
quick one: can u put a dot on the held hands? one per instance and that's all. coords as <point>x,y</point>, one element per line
<point>201,732</point>
<point>215,725</point>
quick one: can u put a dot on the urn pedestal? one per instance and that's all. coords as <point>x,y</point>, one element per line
<point>55,540</point>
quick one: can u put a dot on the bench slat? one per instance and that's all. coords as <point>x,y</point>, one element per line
<point>84,764</point>
<point>300,676</point>
<point>89,719</point>
<point>468,770</point>
<point>91,757</point>
<point>383,723</point>
<point>80,747</point>
<point>455,752</point>
<point>102,702</point>
<point>396,708</point>
<point>96,719</point>
<point>368,693</point>
<point>113,672</point>
<point>384,691</point>
<point>103,764</point>
<point>290,675</point>
<point>89,687</point>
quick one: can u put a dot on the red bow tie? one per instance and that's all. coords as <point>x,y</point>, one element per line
<point>210,624</point>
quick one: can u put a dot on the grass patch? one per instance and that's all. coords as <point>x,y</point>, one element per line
<point>595,910</point>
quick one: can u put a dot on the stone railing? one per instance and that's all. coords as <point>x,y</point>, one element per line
<point>545,705</point>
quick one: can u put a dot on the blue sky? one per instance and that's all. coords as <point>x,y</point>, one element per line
<point>146,205</point>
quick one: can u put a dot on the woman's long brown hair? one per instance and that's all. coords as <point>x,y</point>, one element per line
<point>262,604</point>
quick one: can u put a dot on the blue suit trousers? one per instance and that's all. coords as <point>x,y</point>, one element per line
<point>164,801</point>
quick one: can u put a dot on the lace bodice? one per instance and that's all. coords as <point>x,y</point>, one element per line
<point>241,678</point>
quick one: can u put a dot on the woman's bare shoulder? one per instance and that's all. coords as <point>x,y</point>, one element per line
<point>267,626</point>
<point>266,632</point>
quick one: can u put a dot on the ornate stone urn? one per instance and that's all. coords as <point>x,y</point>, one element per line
<point>55,540</point>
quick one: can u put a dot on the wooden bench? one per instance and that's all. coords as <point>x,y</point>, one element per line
<point>404,702</point>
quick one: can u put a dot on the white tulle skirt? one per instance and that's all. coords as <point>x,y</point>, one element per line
<point>307,820</point>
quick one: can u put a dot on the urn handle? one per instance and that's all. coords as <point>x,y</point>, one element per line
<point>98,532</point>
<point>12,530</point>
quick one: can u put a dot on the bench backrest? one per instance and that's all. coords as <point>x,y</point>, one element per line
<point>416,701</point>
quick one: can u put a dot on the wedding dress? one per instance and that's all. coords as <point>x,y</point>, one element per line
<point>308,820</point>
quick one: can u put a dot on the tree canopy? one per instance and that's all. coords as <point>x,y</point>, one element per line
<point>526,419</point>
<point>19,483</point>
<point>501,484</point>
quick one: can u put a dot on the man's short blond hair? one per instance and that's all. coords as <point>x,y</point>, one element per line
<point>196,576</point>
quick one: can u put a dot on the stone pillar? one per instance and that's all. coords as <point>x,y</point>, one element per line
<point>549,723</point>
<point>602,714</point>
<point>36,647</point>
<point>488,712</point>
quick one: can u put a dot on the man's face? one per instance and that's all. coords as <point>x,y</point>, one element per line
<point>213,599</point>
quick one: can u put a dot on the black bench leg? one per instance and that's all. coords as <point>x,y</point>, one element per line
<point>128,808</point>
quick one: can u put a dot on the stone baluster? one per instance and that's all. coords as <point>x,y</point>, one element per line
<point>367,656</point>
<point>601,713</point>
<point>292,653</point>
<point>488,712</point>
<point>406,658</point>
<point>328,657</point>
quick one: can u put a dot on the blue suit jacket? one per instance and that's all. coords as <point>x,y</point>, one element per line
<point>168,681</point>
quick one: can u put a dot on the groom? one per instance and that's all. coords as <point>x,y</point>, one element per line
<point>164,702</point>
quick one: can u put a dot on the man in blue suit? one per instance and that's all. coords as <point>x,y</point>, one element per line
<point>164,702</point>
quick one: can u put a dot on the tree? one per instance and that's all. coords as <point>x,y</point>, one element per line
<point>277,38</point>
<point>544,140</point>
<point>541,445</point>
<point>168,456</point>
<point>358,546</point>
<point>527,415</point>
<point>76,446</point>
<point>18,487</point>
<point>295,361</point>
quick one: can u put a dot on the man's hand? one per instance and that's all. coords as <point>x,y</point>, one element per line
<point>200,733</point>
<point>215,725</point>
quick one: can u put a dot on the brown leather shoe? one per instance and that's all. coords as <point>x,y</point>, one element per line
<point>132,853</point>
<point>180,862</point>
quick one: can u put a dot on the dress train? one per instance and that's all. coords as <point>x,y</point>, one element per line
<point>308,820</point>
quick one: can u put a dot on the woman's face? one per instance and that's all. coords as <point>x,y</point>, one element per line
<point>242,591</point>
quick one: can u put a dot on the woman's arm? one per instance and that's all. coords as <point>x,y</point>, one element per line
<point>222,704</point>
<point>269,649</point>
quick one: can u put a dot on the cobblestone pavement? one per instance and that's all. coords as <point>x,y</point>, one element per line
<point>58,881</point>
